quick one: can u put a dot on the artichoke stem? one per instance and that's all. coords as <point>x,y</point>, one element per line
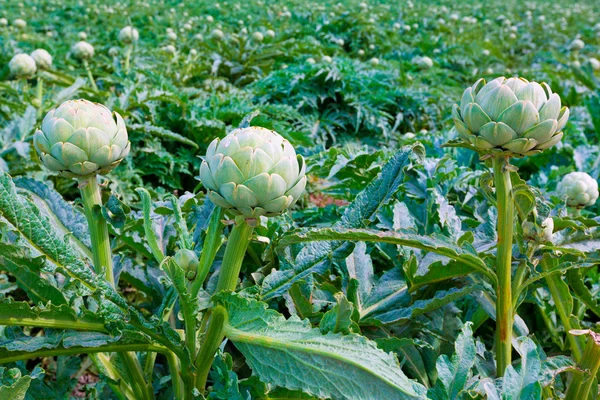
<point>101,253</point>
<point>90,76</point>
<point>590,365</point>
<point>214,337</point>
<point>237,243</point>
<point>40,95</point>
<point>128,57</point>
<point>563,313</point>
<point>504,307</point>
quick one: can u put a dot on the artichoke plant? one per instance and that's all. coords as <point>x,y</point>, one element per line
<point>82,51</point>
<point>253,171</point>
<point>129,35</point>
<point>579,189</point>
<point>510,116</point>
<point>80,139</point>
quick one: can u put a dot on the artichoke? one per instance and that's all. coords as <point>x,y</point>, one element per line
<point>22,66</point>
<point>510,116</point>
<point>82,51</point>
<point>80,139</point>
<point>253,171</point>
<point>129,35</point>
<point>580,189</point>
<point>42,58</point>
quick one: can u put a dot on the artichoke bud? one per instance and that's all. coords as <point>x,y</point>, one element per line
<point>80,139</point>
<point>253,172</point>
<point>512,116</point>
<point>82,51</point>
<point>579,189</point>
<point>187,260</point>
<point>43,59</point>
<point>128,35</point>
<point>22,66</point>
<point>539,233</point>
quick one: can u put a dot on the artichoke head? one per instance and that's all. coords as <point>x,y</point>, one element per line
<point>80,139</point>
<point>253,172</point>
<point>511,116</point>
<point>579,189</point>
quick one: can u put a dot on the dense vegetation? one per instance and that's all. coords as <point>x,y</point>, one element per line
<point>391,252</point>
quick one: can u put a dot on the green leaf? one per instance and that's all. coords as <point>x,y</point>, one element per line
<point>332,365</point>
<point>453,373</point>
<point>71,219</point>
<point>151,238</point>
<point>161,132</point>
<point>14,384</point>
<point>318,257</point>
<point>341,318</point>
<point>27,272</point>
<point>434,243</point>
<point>523,382</point>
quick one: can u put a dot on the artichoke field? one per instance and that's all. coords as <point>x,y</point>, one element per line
<point>356,200</point>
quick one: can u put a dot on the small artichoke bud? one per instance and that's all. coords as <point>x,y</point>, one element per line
<point>258,37</point>
<point>374,61</point>
<point>82,51</point>
<point>43,59</point>
<point>253,172</point>
<point>82,36</point>
<point>22,66</point>
<point>172,36</point>
<point>579,189</point>
<point>128,35</point>
<point>170,49</point>
<point>538,233</point>
<point>3,22</point>
<point>326,59</point>
<point>423,62</point>
<point>187,260</point>
<point>577,45</point>
<point>113,51</point>
<point>510,116</point>
<point>270,33</point>
<point>80,139</point>
<point>217,34</point>
<point>20,24</point>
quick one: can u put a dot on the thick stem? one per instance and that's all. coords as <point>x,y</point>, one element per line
<point>102,255</point>
<point>89,74</point>
<point>590,365</point>
<point>178,389</point>
<point>237,243</point>
<point>213,339</point>
<point>504,308</point>
<point>561,309</point>
<point>133,369</point>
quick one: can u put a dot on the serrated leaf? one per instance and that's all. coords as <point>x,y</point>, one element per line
<point>332,365</point>
<point>318,257</point>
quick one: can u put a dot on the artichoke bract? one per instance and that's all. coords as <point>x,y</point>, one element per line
<point>254,172</point>
<point>510,116</point>
<point>80,139</point>
<point>580,189</point>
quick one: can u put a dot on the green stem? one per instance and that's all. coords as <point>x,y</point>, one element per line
<point>128,57</point>
<point>102,255</point>
<point>561,309</point>
<point>211,246</point>
<point>136,377</point>
<point>40,95</point>
<point>89,74</point>
<point>81,350</point>
<point>237,243</point>
<point>214,337</point>
<point>582,382</point>
<point>178,389</point>
<point>105,367</point>
<point>504,307</point>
